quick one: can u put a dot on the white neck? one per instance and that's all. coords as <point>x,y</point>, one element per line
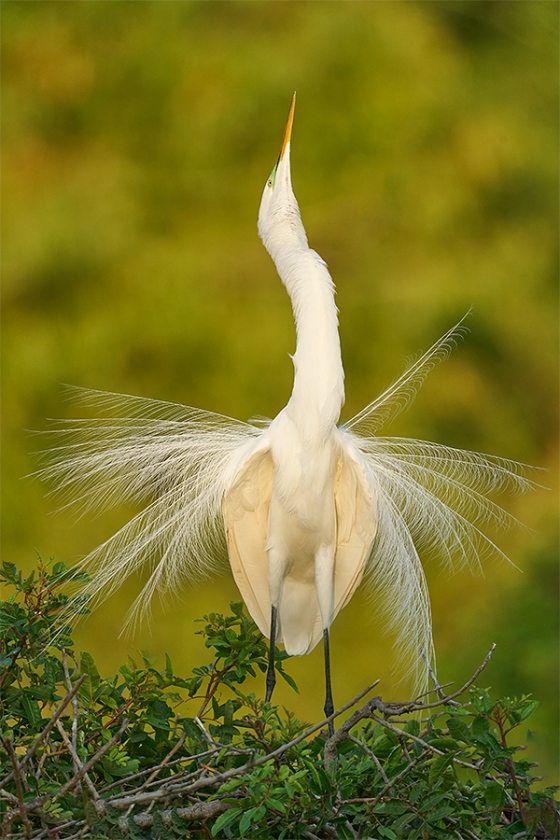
<point>318,392</point>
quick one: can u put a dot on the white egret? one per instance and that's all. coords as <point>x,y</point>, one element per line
<point>302,507</point>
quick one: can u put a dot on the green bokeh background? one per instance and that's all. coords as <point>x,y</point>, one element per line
<point>137,137</point>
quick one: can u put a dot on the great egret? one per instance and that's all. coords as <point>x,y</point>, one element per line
<point>302,506</point>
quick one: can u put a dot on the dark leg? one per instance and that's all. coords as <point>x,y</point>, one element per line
<point>329,706</point>
<point>271,673</point>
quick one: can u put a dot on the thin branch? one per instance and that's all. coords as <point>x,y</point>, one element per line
<point>153,775</point>
<point>128,779</point>
<point>74,703</point>
<point>198,811</point>
<point>206,736</point>
<point>76,759</point>
<point>10,815</point>
<point>438,688</point>
<point>373,800</point>
<point>399,709</point>
<point>466,831</point>
<point>450,697</point>
<point>371,755</point>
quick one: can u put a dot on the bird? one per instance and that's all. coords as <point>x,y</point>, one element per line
<point>304,507</point>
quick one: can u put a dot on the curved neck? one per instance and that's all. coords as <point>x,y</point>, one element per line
<point>318,392</point>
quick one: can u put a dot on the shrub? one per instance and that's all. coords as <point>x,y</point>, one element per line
<point>148,754</point>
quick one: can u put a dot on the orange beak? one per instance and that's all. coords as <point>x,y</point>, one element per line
<point>288,129</point>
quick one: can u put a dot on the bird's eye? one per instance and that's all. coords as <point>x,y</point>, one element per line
<point>269,182</point>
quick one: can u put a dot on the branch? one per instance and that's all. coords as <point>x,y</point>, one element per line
<point>74,704</point>
<point>76,759</point>
<point>396,710</point>
<point>438,688</point>
<point>10,815</point>
<point>198,811</point>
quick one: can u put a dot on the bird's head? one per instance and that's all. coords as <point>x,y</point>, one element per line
<point>280,223</point>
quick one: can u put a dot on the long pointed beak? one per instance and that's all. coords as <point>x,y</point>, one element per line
<point>288,129</point>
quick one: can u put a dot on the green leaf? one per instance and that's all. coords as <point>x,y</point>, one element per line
<point>275,804</point>
<point>290,680</point>
<point>225,819</point>
<point>526,710</point>
<point>253,815</point>
<point>439,765</point>
<point>395,807</point>
<point>91,684</point>
<point>444,743</point>
<point>458,729</point>
<point>480,726</point>
<point>345,833</point>
<point>433,799</point>
<point>404,821</point>
<point>386,832</point>
<point>481,701</point>
<point>494,797</point>
<point>412,727</point>
<point>31,709</point>
<point>168,667</point>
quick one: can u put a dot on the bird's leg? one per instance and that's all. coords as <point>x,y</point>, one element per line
<point>271,673</point>
<point>329,706</point>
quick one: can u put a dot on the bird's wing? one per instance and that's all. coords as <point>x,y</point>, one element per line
<point>246,508</point>
<point>356,519</point>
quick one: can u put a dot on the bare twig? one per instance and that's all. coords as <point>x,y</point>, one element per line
<point>397,778</point>
<point>153,775</point>
<point>466,831</point>
<point>74,705</point>
<point>438,688</point>
<point>206,735</point>
<point>399,708</point>
<point>372,755</point>
<point>469,682</point>
<point>76,759</point>
<point>10,815</point>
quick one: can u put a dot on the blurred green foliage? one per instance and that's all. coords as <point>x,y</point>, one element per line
<point>136,141</point>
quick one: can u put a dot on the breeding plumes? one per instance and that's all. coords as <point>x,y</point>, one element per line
<point>302,507</point>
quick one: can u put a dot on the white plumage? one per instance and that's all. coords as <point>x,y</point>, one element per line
<point>302,507</point>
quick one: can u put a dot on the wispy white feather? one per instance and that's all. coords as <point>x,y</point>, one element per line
<point>400,393</point>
